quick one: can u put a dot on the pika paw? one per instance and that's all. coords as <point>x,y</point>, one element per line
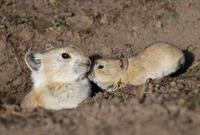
<point>155,61</point>
<point>59,78</point>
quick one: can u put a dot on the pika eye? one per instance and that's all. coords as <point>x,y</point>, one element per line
<point>121,66</point>
<point>65,56</point>
<point>100,67</point>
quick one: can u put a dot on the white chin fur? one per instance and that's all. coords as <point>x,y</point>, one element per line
<point>38,78</point>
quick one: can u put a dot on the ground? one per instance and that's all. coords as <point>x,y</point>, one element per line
<point>104,27</point>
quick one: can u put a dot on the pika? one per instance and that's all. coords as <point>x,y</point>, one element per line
<point>59,78</point>
<point>155,61</point>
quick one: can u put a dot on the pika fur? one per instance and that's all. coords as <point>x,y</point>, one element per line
<point>59,78</point>
<point>155,61</point>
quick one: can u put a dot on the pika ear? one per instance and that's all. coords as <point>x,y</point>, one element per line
<point>123,63</point>
<point>33,61</point>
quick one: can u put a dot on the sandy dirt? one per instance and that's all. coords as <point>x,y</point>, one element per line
<point>170,106</point>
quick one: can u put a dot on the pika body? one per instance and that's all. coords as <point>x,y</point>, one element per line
<point>155,61</point>
<point>59,78</point>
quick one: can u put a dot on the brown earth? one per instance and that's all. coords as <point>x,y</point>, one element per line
<point>170,106</point>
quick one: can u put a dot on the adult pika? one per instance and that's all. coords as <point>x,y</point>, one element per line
<point>155,61</point>
<point>59,78</point>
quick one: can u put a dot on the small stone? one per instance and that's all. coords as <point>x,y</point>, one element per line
<point>159,24</point>
<point>67,14</point>
<point>166,95</point>
<point>174,95</point>
<point>196,91</point>
<point>157,86</point>
<point>180,86</point>
<point>173,109</point>
<point>26,34</point>
<point>157,81</point>
<point>173,83</point>
<point>104,19</point>
<point>82,22</point>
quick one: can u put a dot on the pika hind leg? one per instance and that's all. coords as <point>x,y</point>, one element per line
<point>33,99</point>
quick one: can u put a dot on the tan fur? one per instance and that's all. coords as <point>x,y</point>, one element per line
<point>155,61</point>
<point>55,86</point>
<point>33,99</point>
<point>59,83</point>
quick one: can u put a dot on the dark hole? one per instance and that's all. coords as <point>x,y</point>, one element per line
<point>189,58</point>
<point>95,89</point>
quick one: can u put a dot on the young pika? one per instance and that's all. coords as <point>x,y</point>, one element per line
<point>155,61</point>
<point>59,78</point>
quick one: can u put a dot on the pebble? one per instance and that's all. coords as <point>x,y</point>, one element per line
<point>166,95</point>
<point>67,14</point>
<point>180,86</point>
<point>26,34</point>
<point>159,24</point>
<point>174,95</point>
<point>173,83</point>
<point>104,19</point>
<point>173,109</point>
<point>196,91</point>
<point>82,22</point>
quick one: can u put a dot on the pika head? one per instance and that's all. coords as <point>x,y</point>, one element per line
<point>106,72</point>
<point>61,65</point>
